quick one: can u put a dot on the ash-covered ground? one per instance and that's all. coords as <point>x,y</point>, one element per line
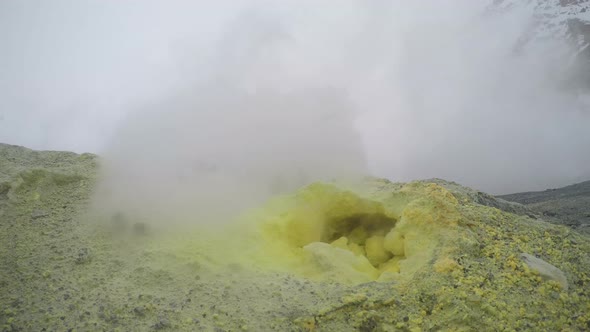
<point>431,256</point>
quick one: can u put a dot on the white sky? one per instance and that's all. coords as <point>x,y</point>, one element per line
<point>437,88</point>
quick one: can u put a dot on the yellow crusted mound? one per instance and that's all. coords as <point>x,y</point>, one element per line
<point>378,256</point>
<point>328,233</point>
<point>438,259</point>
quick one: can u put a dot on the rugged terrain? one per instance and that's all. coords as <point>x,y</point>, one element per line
<point>563,20</point>
<point>375,256</point>
<point>569,205</point>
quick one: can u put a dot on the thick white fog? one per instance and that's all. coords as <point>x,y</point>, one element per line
<point>194,102</point>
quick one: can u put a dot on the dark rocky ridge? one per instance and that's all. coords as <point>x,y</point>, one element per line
<point>569,205</point>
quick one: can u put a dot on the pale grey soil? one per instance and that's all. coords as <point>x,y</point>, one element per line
<point>60,272</point>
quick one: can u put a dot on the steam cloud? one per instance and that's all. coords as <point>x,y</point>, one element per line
<point>240,101</point>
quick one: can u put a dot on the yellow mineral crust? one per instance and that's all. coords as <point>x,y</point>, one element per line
<point>328,233</point>
<point>418,258</point>
<point>445,264</point>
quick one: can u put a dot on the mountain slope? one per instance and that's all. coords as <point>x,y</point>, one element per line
<point>569,205</point>
<point>564,21</point>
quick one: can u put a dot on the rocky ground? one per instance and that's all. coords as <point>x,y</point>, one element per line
<point>569,205</point>
<point>463,260</point>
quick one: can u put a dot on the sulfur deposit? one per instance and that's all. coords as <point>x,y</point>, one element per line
<point>371,256</point>
<point>327,233</point>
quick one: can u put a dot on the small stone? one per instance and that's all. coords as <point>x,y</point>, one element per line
<point>162,324</point>
<point>84,256</point>
<point>39,213</point>
<point>545,270</point>
<point>139,311</point>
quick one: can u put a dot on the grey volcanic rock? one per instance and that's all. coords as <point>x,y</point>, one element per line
<point>569,205</point>
<point>545,270</point>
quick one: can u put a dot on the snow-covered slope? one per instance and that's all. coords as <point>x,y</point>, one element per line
<point>561,19</point>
